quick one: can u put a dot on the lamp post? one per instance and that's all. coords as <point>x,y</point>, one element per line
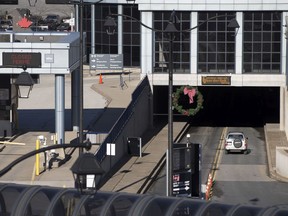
<point>81,79</point>
<point>85,171</point>
<point>24,84</point>
<point>110,24</point>
<point>171,29</point>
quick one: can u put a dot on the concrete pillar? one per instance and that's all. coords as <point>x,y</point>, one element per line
<point>239,45</point>
<point>147,41</point>
<point>60,108</point>
<point>283,109</point>
<point>193,43</point>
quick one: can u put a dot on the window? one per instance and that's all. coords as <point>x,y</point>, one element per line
<point>108,44</point>
<point>216,43</point>
<point>131,37</point>
<point>262,42</point>
<point>104,44</point>
<point>181,43</point>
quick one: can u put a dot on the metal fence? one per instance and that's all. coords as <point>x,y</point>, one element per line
<point>19,200</point>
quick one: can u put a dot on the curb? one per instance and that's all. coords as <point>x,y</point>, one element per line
<point>108,98</point>
<point>272,173</point>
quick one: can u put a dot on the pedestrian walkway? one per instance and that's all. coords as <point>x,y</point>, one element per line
<point>130,177</point>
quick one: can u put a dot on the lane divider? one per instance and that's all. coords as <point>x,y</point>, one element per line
<point>215,165</point>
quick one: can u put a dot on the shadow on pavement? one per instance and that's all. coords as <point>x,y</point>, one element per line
<point>44,119</point>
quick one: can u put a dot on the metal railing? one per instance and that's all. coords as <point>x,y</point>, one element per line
<point>122,121</point>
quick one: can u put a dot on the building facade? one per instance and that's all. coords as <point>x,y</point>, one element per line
<point>206,51</point>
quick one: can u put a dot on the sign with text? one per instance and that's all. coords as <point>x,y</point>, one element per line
<point>20,59</point>
<point>8,2</point>
<point>216,80</point>
<point>106,61</point>
<point>187,169</point>
<point>182,184</point>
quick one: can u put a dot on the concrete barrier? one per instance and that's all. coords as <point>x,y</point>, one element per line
<point>282,161</point>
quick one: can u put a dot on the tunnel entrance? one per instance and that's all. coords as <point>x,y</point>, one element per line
<point>227,106</point>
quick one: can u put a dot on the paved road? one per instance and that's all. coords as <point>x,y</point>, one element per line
<point>244,179</point>
<point>208,137</point>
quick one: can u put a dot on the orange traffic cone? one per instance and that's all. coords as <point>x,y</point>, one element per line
<point>100,79</point>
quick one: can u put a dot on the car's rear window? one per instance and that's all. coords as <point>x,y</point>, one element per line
<point>235,136</point>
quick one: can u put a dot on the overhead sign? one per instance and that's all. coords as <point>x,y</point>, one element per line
<point>20,59</point>
<point>106,61</point>
<point>216,80</point>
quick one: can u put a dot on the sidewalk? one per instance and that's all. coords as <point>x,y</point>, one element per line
<point>274,137</point>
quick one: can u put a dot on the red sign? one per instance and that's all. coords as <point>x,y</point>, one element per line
<point>24,23</point>
<point>176,178</point>
<point>30,60</point>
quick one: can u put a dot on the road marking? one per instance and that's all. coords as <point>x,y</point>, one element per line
<point>219,154</point>
<point>33,174</point>
<point>11,143</point>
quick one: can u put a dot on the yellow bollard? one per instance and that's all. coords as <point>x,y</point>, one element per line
<point>37,163</point>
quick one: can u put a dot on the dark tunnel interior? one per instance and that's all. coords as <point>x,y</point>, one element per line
<point>225,106</point>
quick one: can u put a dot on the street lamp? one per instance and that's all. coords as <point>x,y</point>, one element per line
<point>85,171</point>
<point>24,84</point>
<point>110,25</point>
<point>86,164</point>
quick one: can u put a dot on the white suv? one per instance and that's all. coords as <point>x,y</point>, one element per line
<point>236,141</point>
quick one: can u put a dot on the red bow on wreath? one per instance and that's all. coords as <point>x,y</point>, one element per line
<point>191,93</point>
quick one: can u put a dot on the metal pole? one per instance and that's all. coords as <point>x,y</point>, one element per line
<point>81,79</point>
<point>170,118</point>
<point>93,29</point>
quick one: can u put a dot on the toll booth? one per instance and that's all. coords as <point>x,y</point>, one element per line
<point>7,103</point>
<point>37,53</point>
<point>187,170</point>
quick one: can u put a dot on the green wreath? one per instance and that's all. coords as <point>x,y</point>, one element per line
<point>183,90</point>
